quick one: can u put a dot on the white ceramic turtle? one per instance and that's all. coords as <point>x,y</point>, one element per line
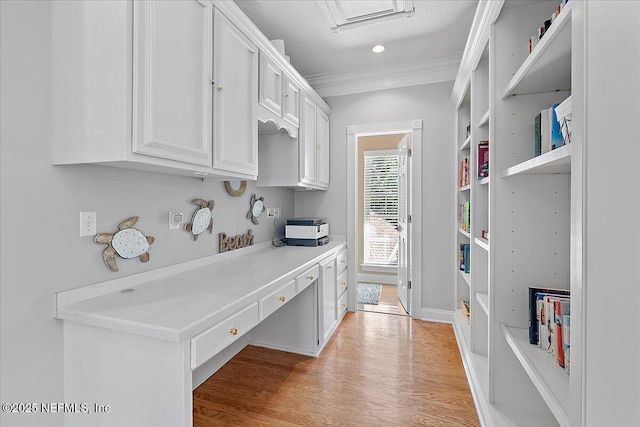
<point>127,243</point>
<point>202,219</point>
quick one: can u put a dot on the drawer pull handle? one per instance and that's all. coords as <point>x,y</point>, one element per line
<point>310,277</point>
<point>233,331</point>
<point>283,298</point>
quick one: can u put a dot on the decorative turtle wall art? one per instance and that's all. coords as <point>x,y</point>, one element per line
<point>202,219</point>
<point>257,207</point>
<point>127,242</point>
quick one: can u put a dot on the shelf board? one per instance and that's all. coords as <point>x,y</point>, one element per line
<point>548,67</point>
<point>483,243</point>
<point>483,300</point>
<point>554,162</point>
<point>466,144</point>
<point>465,188</point>
<point>483,181</point>
<point>549,378</point>
<point>464,233</point>
<point>484,120</point>
<point>466,277</point>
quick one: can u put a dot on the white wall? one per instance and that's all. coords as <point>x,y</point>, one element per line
<point>40,251</point>
<point>432,104</point>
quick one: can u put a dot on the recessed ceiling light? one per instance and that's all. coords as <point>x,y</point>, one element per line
<point>378,48</point>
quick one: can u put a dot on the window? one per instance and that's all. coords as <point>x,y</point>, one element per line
<point>380,208</point>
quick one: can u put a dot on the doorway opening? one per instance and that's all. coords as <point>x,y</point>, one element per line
<point>382,198</point>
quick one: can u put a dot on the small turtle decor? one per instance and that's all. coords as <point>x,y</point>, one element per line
<point>257,207</point>
<point>201,219</point>
<point>127,242</point>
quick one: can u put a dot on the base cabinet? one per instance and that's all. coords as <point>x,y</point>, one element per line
<point>327,297</point>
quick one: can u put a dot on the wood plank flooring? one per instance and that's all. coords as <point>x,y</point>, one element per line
<point>388,303</point>
<point>377,370</point>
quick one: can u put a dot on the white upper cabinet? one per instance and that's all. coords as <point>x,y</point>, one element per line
<point>154,85</point>
<point>270,96</point>
<point>307,144</point>
<point>235,78</point>
<point>279,97</point>
<point>172,93</point>
<point>322,145</point>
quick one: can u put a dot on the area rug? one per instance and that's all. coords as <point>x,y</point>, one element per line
<point>369,293</point>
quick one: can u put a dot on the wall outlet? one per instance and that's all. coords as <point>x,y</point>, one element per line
<point>269,212</point>
<point>276,212</point>
<point>175,220</point>
<point>88,221</point>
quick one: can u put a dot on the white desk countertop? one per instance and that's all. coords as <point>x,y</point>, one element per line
<point>179,306</point>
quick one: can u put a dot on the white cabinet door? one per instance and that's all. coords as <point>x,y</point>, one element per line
<point>329,298</point>
<point>235,73</point>
<point>322,144</point>
<point>307,144</point>
<point>290,101</point>
<point>270,88</point>
<point>171,80</point>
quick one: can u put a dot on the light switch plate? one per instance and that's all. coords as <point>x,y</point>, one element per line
<point>88,222</point>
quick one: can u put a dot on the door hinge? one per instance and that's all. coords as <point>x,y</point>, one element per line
<point>409,284</point>
<point>409,152</point>
<point>409,219</point>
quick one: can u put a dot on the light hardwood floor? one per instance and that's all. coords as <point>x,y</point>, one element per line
<point>377,370</point>
<point>388,303</point>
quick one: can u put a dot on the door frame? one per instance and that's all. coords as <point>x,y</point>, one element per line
<point>414,127</point>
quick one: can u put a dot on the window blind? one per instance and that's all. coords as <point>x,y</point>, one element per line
<point>380,207</point>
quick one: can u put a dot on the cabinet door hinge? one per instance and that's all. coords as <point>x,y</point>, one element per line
<point>409,152</point>
<point>409,219</point>
<point>409,284</point>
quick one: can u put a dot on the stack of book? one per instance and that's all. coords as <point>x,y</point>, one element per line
<point>550,322</point>
<point>533,41</point>
<point>466,309</point>
<point>463,173</point>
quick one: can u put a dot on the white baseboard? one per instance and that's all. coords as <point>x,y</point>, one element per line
<point>378,278</point>
<point>436,315</point>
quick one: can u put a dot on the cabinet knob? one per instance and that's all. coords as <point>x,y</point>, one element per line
<point>233,331</point>
<point>329,267</point>
<point>213,82</point>
<point>344,283</point>
<point>310,277</point>
<point>343,260</point>
<point>343,305</point>
<point>219,88</point>
<point>283,298</point>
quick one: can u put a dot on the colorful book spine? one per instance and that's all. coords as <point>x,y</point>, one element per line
<point>566,340</point>
<point>556,132</point>
<point>562,310</point>
<point>538,135</point>
<point>483,159</point>
<point>534,310</point>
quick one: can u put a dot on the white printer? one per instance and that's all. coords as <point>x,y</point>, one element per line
<point>306,232</point>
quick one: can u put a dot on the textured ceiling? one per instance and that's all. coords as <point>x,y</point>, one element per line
<point>438,28</point>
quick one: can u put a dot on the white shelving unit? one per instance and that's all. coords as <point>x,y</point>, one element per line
<point>536,209</point>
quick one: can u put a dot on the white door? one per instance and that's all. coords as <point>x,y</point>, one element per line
<point>270,88</point>
<point>235,72</point>
<point>172,80</point>
<point>291,101</point>
<point>404,223</point>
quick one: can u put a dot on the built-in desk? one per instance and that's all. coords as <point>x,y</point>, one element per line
<point>140,344</point>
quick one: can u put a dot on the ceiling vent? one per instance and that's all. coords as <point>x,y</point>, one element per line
<point>345,14</point>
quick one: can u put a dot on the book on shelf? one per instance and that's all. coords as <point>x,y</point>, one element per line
<point>566,340</point>
<point>562,309</point>
<point>466,309</point>
<point>534,309</point>
<point>465,216</point>
<point>547,131</point>
<point>485,235</point>
<point>463,173</point>
<point>483,159</point>
<point>564,115</point>
<point>551,343</point>
<point>464,257</point>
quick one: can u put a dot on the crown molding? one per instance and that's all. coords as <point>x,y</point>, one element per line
<point>434,70</point>
<point>486,14</point>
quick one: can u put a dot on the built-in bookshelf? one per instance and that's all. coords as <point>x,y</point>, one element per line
<point>525,204</point>
<point>558,215</point>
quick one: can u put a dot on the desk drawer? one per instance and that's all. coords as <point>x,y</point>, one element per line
<point>307,278</point>
<point>277,299</point>
<point>341,262</point>
<point>341,307</point>
<point>210,342</point>
<point>342,283</point>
